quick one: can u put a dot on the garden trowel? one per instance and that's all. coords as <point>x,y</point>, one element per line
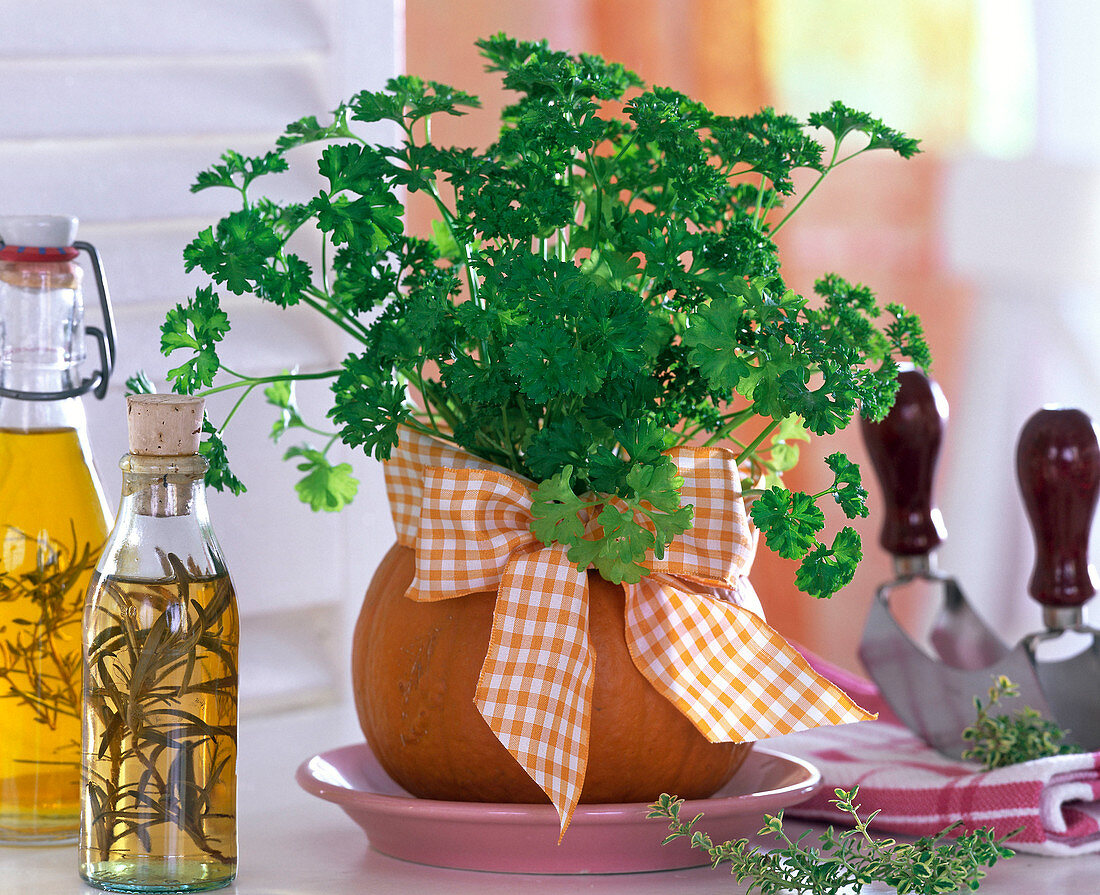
<point>930,679</point>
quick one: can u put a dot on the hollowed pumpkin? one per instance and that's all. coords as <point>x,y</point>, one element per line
<point>415,668</point>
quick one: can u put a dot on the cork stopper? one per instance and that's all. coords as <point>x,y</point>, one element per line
<point>164,425</point>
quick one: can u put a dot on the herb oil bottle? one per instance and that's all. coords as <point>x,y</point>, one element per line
<point>53,522</point>
<point>160,674</point>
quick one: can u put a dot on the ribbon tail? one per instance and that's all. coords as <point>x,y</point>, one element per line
<point>725,669</point>
<point>535,688</point>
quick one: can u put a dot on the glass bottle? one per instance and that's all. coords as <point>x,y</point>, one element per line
<point>160,674</point>
<point>53,522</point>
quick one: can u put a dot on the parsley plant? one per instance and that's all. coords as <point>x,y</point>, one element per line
<point>601,285</point>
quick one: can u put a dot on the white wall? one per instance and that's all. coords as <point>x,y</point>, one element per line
<point>107,112</point>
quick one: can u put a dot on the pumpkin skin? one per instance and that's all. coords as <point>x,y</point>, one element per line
<point>414,673</point>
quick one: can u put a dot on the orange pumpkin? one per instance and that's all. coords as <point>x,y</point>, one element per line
<point>415,668</point>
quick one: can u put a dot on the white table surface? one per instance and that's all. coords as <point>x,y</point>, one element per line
<point>294,844</point>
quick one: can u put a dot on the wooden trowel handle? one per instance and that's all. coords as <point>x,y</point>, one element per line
<point>904,448</point>
<point>1058,466</point>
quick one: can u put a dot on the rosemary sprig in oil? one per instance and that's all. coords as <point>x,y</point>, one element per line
<point>161,684</point>
<point>40,651</point>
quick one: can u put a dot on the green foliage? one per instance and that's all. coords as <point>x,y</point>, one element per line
<point>197,326</point>
<point>602,285</point>
<point>325,486</point>
<point>844,861</point>
<point>281,394</point>
<point>791,522</point>
<point>140,384</point>
<point>219,476</point>
<point>1001,740</point>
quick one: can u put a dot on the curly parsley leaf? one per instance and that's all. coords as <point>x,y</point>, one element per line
<point>237,252</point>
<point>847,485</point>
<point>325,486</point>
<point>557,511</point>
<point>620,551</point>
<point>309,130</point>
<point>631,528</point>
<point>788,520</point>
<point>841,121</point>
<point>237,171</point>
<point>218,476</point>
<point>370,406</point>
<point>656,496</point>
<point>825,570</point>
<point>140,384</point>
<point>407,99</point>
<point>197,326</point>
<point>281,394</point>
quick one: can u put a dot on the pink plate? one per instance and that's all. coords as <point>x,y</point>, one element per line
<point>524,838</point>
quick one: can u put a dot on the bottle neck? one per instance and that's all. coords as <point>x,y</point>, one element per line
<point>26,414</point>
<point>164,487</point>
<point>41,327</point>
<point>162,513</point>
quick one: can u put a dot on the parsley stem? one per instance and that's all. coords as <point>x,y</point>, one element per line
<point>321,432</point>
<point>251,382</point>
<point>425,430</point>
<point>231,372</point>
<point>618,155</point>
<point>438,397</point>
<point>755,443</point>
<point>509,442</point>
<point>729,423</point>
<point>760,211</point>
<point>449,220</point>
<point>343,319</point>
<point>424,394</point>
<point>597,211</point>
<point>809,192</point>
<point>467,251</point>
<point>236,406</point>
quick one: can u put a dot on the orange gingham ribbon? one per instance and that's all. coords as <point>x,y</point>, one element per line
<point>716,661</point>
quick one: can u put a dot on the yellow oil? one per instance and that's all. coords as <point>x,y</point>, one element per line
<point>53,522</point>
<point>160,734</point>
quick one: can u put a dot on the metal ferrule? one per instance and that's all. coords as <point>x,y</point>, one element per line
<point>1062,618</point>
<point>912,566</point>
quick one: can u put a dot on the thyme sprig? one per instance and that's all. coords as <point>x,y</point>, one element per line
<point>1003,739</point>
<point>844,861</point>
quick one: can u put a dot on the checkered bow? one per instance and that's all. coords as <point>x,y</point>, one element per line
<point>718,662</point>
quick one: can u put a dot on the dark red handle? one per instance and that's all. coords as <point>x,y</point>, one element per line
<point>904,449</point>
<point>1058,466</point>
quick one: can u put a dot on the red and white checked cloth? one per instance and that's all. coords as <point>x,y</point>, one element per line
<point>693,626</point>
<point>1056,801</point>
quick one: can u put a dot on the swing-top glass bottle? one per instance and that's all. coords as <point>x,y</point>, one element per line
<point>53,520</point>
